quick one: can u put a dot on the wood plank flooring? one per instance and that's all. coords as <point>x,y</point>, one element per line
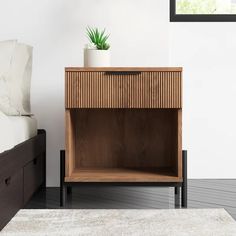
<point>202,194</point>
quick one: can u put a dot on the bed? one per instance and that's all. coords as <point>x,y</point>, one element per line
<point>22,163</point>
<point>15,130</point>
<point>22,145</point>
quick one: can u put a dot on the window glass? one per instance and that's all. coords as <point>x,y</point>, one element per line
<point>206,7</point>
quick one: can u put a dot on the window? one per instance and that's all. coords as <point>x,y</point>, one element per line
<point>202,10</point>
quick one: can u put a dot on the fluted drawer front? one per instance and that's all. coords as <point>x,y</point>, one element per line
<point>155,90</point>
<point>95,90</point>
<point>130,90</point>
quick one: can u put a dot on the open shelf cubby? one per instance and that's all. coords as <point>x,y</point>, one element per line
<point>123,145</point>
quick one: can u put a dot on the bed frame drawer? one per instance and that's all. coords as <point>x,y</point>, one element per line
<point>33,177</point>
<point>13,160</point>
<point>11,196</point>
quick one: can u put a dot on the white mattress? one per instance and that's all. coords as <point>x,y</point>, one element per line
<point>15,130</point>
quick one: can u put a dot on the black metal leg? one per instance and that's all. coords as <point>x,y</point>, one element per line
<point>62,196</point>
<point>184,190</point>
<point>62,176</point>
<point>177,197</point>
<point>69,189</point>
<point>44,169</point>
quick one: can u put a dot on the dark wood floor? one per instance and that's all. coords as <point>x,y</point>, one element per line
<point>202,194</point>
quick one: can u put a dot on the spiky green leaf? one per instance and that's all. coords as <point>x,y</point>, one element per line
<point>98,38</point>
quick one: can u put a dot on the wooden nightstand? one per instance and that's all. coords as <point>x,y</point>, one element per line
<point>124,126</point>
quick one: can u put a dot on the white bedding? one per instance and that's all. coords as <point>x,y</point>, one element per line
<point>15,130</point>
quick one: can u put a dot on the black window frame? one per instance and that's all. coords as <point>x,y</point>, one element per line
<point>198,17</point>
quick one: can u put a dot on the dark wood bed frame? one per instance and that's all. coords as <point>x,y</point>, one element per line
<point>22,173</point>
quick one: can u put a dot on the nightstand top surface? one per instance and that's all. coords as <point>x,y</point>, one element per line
<point>142,69</point>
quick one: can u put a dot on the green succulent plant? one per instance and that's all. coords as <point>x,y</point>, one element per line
<point>98,38</point>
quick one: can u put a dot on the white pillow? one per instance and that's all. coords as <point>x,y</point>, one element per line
<point>5,100</point>
<point>16,83</point>
<point>20,78</point>
<point>6,53</point>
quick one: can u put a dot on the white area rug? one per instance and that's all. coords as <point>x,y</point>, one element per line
<point>212,222</point>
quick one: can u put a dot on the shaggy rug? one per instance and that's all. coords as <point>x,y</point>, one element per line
<point>179,222</point>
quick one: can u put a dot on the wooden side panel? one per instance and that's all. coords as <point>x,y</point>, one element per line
<point>143,90</point>
<point>179,144</point>
<point>70,141</point>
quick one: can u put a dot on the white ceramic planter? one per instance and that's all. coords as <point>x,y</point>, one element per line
<point>96,58</point>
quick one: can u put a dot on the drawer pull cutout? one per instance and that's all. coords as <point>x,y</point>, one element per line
<point>8,181</point>
<point>122,73</point>
<point>35,161</point>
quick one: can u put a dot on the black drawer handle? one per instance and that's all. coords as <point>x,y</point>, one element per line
<point>8,181</point>
<point>35,161</point>
<point>123,73</point>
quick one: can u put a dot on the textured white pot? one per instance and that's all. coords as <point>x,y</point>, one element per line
<point>96,58</point>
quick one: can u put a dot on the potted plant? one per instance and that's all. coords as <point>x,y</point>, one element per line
<point>97,53</point>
